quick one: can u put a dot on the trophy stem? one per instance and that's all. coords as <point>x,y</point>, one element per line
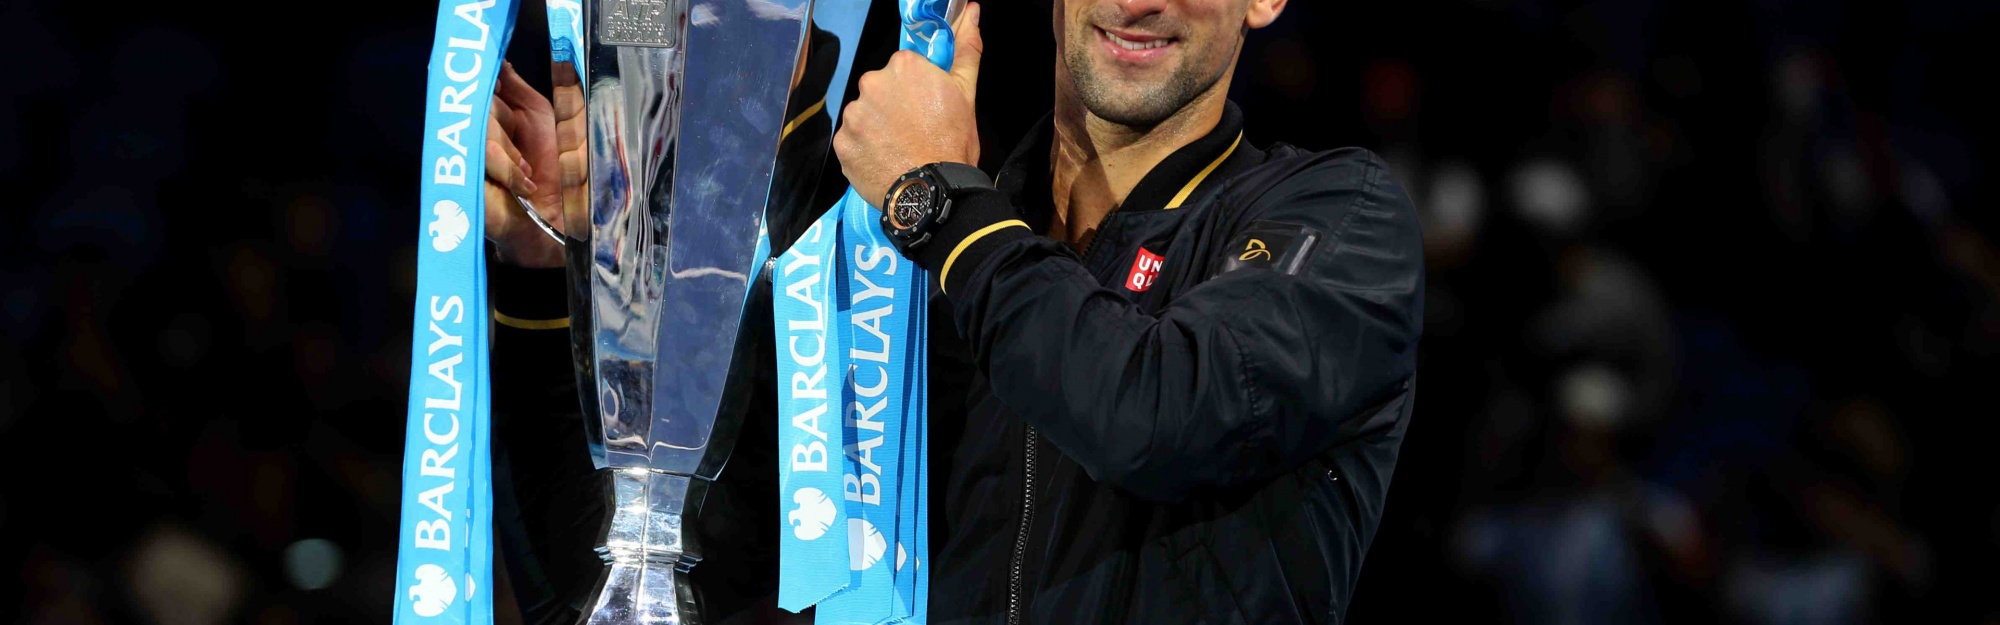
<point>646,558</point>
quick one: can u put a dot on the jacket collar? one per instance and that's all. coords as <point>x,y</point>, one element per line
<point>1025,173</point>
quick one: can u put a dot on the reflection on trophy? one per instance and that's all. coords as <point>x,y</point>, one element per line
<point>683,107</point>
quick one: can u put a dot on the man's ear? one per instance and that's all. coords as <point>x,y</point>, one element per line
<point>1263,12</point>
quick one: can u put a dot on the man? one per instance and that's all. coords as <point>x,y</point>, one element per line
<point>1187,362</point>
<point>1171,370</point>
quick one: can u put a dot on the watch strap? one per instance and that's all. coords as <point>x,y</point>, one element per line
<point>982,223</point>
<point>960,177</point>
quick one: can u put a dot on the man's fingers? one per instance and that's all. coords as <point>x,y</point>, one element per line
<point>504,164</point>
<point>511,80</point>
<point>520,241</point>
<point>523,123</point>
<point>497,137</point>
<point>568,104</point>
<point>516,91</point>
<point>969,48</point>
<point>500,114</point>
<point>499,212</point>
<point>868,81</point>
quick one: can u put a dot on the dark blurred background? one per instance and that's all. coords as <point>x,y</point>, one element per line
<point>1712,322</point>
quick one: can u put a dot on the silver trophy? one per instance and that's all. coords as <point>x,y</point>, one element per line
<point>678,107</point>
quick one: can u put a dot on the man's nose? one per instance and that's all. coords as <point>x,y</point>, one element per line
<point>1141,8</point>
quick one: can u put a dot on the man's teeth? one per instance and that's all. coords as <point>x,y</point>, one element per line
<point>1135,45</point>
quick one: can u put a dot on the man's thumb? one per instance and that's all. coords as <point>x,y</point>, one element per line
<point>969,47</point>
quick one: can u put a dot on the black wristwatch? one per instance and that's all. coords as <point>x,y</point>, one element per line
<point>920,201</point>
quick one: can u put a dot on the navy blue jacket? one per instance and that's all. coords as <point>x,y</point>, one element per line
<point>1206,438</point>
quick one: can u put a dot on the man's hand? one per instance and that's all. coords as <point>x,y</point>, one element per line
<point>911,113</point>
<point>521,160</point>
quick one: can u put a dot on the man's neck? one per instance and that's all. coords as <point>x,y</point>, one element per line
<point>1094,163</point>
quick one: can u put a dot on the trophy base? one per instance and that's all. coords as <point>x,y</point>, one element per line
<point>647,561</point>
<point>649,593</point>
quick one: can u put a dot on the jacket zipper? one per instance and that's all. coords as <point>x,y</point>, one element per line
<point>1021,536</point>
<point>1028,490</point>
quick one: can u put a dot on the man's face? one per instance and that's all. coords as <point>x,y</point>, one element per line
<point>1136,62</point>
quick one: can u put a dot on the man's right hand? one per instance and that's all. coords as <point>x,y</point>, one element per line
<point>521,159</point>
<point>910,113</point>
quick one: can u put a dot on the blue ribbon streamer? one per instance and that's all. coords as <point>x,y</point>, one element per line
<point>813,528</point>
<point>444,559</point>
<point>877,295</point>
<point>881,303</point>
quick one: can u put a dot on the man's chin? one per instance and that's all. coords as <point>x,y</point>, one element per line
<point>1124,101</point>
<point>1137,97</point>
<point>1137,113</point>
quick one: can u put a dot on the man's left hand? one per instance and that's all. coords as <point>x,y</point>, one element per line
<point>910,113</point>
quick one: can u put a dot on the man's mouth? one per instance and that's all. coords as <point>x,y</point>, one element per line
<point>1133,45</point>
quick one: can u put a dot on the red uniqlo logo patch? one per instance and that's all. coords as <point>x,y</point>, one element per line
<point>1145,269</point>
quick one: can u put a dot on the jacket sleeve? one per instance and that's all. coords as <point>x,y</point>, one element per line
<point>532,368</point>
<point>548,497</point>
<point>1239,378</point>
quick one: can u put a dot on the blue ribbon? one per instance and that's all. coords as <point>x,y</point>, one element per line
<point>444,559</point>
<point>913,507</point>
<point>813,541</point>
<point>566,31</point>
<point>878,289</point>
<point>880,303</point>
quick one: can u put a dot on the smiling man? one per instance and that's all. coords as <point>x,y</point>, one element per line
<point>1183,364</point>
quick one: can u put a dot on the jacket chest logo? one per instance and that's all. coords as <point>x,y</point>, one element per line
<point>1255,250</point>
<point>1145,270</point>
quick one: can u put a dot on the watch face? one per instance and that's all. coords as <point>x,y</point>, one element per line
<point>912,201</point>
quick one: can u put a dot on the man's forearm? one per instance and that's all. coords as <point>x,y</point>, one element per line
<point>533,372</point>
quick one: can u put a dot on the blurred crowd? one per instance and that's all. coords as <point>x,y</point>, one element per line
<point>1712,304</point>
